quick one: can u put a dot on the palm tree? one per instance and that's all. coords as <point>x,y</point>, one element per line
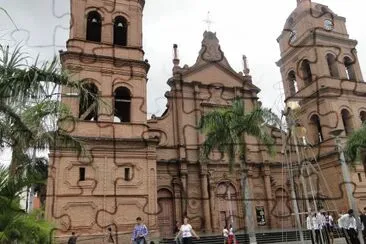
<point>15,223</point>
<point>30,107</point>
<point>356,142</point>
<point>30,111</point>
<point>225,130</point>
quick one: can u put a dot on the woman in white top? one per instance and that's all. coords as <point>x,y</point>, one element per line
<point>225,233</point>
<point>187,231</point>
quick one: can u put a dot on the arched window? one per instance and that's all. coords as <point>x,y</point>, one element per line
<point>306,72</point>
<point>291,79</point>
<point>316,128</point>
<point>347,122</point>
<point>363,116</point>
<point>122,104</point>
<point>88,104</point>
<point>120,31</point>
<point>332,65</point>
<point>94,27</point>
<point>350,72</point>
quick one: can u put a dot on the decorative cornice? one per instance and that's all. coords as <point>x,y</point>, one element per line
<point>309,36</point>
<point>118,62</point>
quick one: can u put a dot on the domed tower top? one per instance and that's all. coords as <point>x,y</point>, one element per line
<point>306,18</point>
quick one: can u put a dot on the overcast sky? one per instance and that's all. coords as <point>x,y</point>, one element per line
<point>242,26</point>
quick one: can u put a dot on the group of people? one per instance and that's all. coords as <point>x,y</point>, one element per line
<point>139,235</point>
<point>322,226</point>
<point>140,232</point>
<point>229,237</point>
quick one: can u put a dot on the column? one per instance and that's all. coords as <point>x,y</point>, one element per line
<point>177,201</point>
<point>184,193</point>
<point>206,202</point>
<point>267,182</point>
<point>213,209</point>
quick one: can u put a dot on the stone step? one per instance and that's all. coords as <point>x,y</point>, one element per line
<point>262,238</point>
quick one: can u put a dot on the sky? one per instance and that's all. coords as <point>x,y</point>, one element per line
<point>242,26</point>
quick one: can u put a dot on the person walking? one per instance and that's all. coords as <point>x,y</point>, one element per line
<point>176,231</point>
<point>187,231</point>
<point>231,238</point>
<point>348,222</point>
<point>73,238</point>
<point>310,227</point>
<point>363,223</point>
<point>139,233</point>
<point>225,233</point>
<point>329,227</point>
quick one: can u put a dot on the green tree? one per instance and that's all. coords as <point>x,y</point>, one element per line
<point>30,114</point>
<point>225,131</point>
<point>30,106</point>
<point>356,143</point>
<point>15,223</point>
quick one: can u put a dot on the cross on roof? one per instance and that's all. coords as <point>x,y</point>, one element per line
<point>208,21</point>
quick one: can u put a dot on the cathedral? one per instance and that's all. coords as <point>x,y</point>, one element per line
<point>153,169</point>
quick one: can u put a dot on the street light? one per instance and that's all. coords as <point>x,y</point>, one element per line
<point>347,179</point>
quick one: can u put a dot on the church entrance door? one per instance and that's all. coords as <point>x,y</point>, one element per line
<point>166,213</point>
<point>228,207</point>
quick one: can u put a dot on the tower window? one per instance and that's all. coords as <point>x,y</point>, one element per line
<point>318,135</point>
<point>347,122</point>
<point>291,79</point>
<point>127,174</point>
<point>348,64</point>
<point>120,31</point>
<point>122,104</point>
<point>359,177</point>
<point>81,174</point>
<point>306,72</point>
<point>332,65</point>
<point>88,104</point>
<point>363,116</point>
<point>94,27</point>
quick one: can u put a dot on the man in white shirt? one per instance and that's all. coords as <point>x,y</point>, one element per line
<point>314,223</point>
<point>328,226</point>
<point>348,222</point>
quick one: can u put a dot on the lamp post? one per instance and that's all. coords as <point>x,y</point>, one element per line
<point>347,180</point>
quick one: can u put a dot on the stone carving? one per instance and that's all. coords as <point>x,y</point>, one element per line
<point>212,51</point>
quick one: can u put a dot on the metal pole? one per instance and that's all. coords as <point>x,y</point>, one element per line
<point>347,181</point>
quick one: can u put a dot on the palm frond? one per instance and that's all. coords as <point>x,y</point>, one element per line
<point>225,129</point>
<point>355,143</point>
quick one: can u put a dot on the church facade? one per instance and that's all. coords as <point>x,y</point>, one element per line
<point>152,167</point>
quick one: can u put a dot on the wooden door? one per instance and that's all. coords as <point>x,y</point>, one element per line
<point>227,201</point>
<point>223,220</point>
<point>166,213</point>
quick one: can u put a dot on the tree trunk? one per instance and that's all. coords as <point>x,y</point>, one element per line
<point>248,205</point>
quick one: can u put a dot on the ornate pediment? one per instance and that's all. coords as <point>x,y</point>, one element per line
<point>211,51</point>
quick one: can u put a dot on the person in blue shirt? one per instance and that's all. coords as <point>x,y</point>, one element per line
<point>139,232</point>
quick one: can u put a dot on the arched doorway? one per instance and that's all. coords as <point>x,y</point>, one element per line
<point>227,205</point>
<point>166,213</point>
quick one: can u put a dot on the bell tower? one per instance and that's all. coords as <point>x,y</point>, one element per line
<point>117,183</point>
<point>320,70</point>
